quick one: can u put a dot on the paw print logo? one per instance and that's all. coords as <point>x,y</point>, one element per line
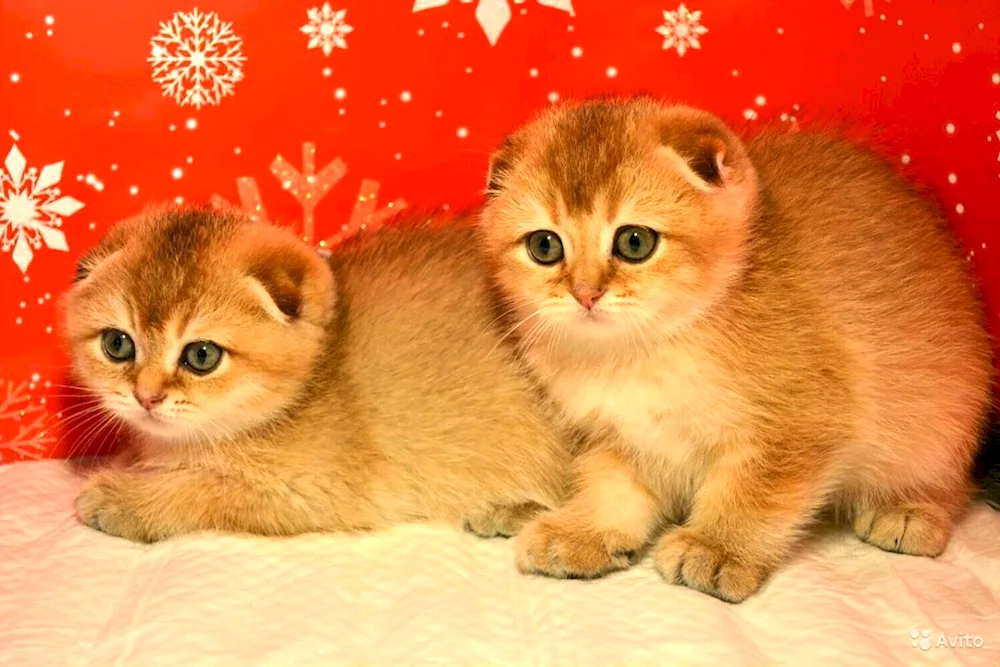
<point>920,639</point>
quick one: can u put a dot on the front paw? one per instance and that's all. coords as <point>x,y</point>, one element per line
<point>688,558</point>
<point>559,546</point>
<point>104,505</point>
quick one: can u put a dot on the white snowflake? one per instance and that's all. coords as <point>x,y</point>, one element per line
<point>196,58</point>
<point>31,209</point>
<point>493,15</point>
<point>326,28</point>
<point>681,30</point>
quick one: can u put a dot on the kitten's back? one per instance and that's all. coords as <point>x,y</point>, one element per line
<point>876,261</point>
<point>878,256</point>
<point>439,391</point>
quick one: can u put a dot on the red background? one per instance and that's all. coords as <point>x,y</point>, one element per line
<point>902,72</point>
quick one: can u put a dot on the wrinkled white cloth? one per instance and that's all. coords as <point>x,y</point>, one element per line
<point>418,595</point>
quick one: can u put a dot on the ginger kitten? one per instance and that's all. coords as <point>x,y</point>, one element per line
<point>270,391</point>
<point>746,333</point>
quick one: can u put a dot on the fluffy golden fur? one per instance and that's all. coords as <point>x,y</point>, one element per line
<point>352,394</point>
<point>804,335</point>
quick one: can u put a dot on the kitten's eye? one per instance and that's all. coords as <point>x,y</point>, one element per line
<point>118,345</point>
<point>545,247</point>
<point>201,357</point>
<point>635,244</point>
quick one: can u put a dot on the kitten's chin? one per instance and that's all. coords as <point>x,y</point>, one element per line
<point>582,326</point>
<point>170,429</point>
<point>184,431</point>
<point>160,428</point>
<point>593,323</point>
<point>595,334</point>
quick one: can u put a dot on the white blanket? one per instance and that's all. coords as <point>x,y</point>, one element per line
<point>420,595</point>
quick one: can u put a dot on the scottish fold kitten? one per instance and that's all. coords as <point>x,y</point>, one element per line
<point>746,334</point>
<point>270,391</point>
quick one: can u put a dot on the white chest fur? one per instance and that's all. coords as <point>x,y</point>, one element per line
<point>676,409</point>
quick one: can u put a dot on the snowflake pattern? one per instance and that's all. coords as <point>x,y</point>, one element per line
<point>682,30</point>
<point>493,15</point>
<point>869,6</point>
<point>31,422</point>
<point>326,28</point>
<point>31,209</point>
<point>309,187</point>
<point>196,58</point>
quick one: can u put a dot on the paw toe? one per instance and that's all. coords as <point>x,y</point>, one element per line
<point>735,582</point>
<point>687,559</point>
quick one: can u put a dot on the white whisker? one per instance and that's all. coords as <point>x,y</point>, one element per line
<point>511,330</point>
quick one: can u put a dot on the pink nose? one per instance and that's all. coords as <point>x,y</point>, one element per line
<point>587,296</point>
<point>148,399</point>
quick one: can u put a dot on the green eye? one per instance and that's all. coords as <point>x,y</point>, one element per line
<point>545,247</point>
<point>635,244</point>
<point>201,357</point>
<point>117,345</point>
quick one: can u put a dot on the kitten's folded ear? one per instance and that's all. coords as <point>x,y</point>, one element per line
<point>87,263</point>
<point>113,241</point>
<point>501,162</point>
<point>703,149</point>
<point>289,277</point>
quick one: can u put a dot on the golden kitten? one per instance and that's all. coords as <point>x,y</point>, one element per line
<point>746,333</point>
<point>270,391</point>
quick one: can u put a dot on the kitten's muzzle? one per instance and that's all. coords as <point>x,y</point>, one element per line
<point>587,296</point>
<point>148,399</point>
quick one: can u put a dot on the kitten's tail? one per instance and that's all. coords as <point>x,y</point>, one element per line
<point>987,471</point>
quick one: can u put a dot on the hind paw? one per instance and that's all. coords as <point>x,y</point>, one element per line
<point>502,520</point>
<point>917,530</point>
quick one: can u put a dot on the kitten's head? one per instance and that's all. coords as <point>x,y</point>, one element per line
<point>192,325</point>
<point>617,220</point>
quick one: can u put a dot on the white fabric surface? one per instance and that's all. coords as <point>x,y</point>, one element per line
<point>420,595</point>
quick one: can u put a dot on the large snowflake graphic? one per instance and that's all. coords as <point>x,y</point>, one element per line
<point>682,30</point>
<point>493,15</point>
<point>326,28</point>
<point>196,58</point>
<point>31,208</point>
<point>309,187</point>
